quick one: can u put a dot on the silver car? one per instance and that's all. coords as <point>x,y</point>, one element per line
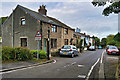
<point>69,50</point>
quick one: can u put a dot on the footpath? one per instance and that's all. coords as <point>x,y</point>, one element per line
<point>22,64</point>
<point>110,66</point>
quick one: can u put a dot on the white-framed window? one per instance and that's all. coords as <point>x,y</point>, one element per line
<point>23,22</point>
<point>66,31</point>
<point>54,28</point>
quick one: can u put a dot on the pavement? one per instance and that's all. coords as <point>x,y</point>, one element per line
<point>21,64</point>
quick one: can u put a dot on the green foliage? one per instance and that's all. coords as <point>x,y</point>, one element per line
<point>112,8</point>
<point>112,42</point>
<point>23,54</point>
<point>97,41</point>
<point>19,53</point>
<point>42,54</point>
<point>8,53</point>
<point>103,42</point>
<point>77,43</point>
<point>2,19</point>
<point>85,43</point>
<point>117,37</point>
<point>80,45</point>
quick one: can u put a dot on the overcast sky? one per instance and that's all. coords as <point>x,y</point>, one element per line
<point>75,14</point>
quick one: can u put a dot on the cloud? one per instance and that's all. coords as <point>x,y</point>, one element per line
<point>75,14</point>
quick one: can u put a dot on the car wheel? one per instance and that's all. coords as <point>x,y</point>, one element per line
<point>72,55</point>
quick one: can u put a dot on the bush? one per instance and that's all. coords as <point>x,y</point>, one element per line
<point>19,53</point>
<point>8,53</point>
<point>42,54</point>
<point>23,54</point>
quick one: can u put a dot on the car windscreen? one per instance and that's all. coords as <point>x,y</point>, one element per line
<point>112,47</point>
<point>66,47</point>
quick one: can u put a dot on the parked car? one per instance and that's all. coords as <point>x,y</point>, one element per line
<point>112,50</point>
<point>69,50</point>
<point>99,47</point>
<point>92,48</point>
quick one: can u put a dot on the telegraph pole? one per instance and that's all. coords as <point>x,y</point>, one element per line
<point>48,48</point>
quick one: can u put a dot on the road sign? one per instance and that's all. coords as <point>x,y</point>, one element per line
<point>38,36</point>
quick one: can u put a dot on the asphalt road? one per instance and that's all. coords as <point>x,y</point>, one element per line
<point>83,66</point>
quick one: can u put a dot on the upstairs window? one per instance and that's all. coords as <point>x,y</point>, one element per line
<point>66,31</point>
<point>23,21</point>
<point>54,28</point>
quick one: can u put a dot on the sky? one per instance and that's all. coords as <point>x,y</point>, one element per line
<point>75,14</point>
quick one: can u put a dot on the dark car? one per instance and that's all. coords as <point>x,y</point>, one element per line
<point>112,50</point>
<point>69,50</point>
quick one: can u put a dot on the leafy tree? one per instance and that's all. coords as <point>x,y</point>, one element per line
<point>2,19</point>
<point>97,41</point>
<point>80,45</point>
<point>117,37</point>
<point>110,39</point>
<point>112,42</point>
<point>103,42</point>
<point>114,7</point>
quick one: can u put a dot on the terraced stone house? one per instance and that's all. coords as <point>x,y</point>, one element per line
<point>21,26</point>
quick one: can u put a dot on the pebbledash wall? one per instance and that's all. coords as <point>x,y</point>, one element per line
<point>13,31</point>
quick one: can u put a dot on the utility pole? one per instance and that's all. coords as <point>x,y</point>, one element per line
<point>48,49</point>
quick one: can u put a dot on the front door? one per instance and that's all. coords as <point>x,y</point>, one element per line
<point>45,45</point>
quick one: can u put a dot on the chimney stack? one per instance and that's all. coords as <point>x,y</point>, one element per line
<point>42,10</point>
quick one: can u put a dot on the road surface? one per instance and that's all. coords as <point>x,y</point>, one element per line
<point>84,66</point>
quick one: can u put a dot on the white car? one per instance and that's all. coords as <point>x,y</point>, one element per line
<point>92,48</point>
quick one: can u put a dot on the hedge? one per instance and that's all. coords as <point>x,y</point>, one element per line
<point>42,54</point>
<point>18,53</point>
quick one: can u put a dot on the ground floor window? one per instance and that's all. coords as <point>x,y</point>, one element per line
<point>66,41</point>
<point>53,43</point>
<point>23,42</point>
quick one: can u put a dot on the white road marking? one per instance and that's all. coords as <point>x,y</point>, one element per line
<point>81,76</point>
<point>80,65</point>
<point>73,63</point>
<point>101,61</point>
<point>54,61</point>
<point>64,66</point>
<point>92,69</point>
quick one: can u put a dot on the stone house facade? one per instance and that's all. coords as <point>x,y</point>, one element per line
<point>21,26</point>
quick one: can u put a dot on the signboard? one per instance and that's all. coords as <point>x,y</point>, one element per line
<point>38,36</point>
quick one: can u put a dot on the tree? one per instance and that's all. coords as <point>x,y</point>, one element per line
<point>114,7</point>
<point>117,37</point>
<point>97,41</point>
<point>80,45</point>
<point>2,19</point>
<point>110,39</point>
<point>103,42</point>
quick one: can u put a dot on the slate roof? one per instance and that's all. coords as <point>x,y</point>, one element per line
<point>37,15</point>
<point>44,18</point>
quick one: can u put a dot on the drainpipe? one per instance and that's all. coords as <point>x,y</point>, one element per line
<point>13,29</point>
